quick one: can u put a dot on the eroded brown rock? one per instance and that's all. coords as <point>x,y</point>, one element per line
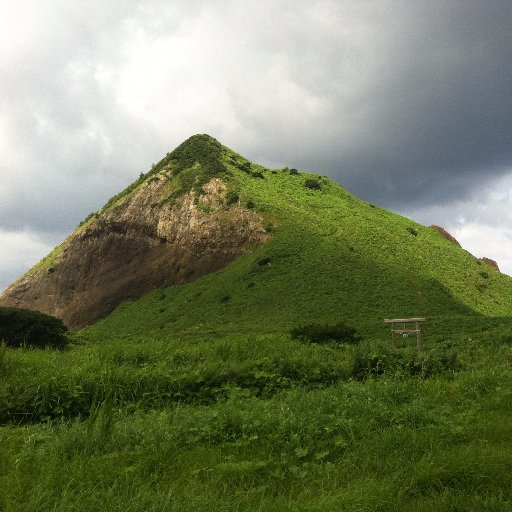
<point>141,244</point>
<point>445,233</point>
<point>490,262</point>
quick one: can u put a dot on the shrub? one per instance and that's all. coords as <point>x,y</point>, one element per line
<point>294,172</point>
<point>312,184</point>
<point>369,364</point>
<point>3,359</point>
<point>88,218</point>
<point>232,198</point>
<point>19,327</point>
<point>245,167</point>
<point>201,149</point>
<point>317,333</point>
<point>412,231</point>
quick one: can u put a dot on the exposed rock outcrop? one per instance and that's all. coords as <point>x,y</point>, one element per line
<point>445,233</point>
<point>490,262</point>
<point>145,241</point>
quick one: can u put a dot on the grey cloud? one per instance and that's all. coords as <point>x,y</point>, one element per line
<point>73,147</point>
<point>23,250</point>
<point>429,114</point>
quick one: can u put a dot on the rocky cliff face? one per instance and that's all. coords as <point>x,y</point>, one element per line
<point>144,242</point>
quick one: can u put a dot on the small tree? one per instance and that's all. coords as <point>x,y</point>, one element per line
<point>312,184</point>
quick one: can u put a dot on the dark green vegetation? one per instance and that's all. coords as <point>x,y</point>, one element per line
<point>258,423</point>
<point>21,327</point>
<point>197,397</point>
<point>316,333</point>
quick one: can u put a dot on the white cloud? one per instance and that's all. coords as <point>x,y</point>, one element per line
<point>483,240</point>
<point>20,251</point>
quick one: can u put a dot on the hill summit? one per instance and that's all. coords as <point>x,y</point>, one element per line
<point>234,242</point>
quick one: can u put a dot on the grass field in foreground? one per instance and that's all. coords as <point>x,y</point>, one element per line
<point>258,423</point>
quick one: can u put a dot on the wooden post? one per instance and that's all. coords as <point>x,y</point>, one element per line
<point>393,335</point>
<point>419,341</point>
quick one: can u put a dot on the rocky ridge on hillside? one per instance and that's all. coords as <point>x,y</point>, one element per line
<point>150,238</point>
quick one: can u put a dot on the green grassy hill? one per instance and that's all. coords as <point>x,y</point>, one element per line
<point>197,398</point>
<point>331,257</point>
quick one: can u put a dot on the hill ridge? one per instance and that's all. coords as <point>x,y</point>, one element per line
<point>171,225</point>
<point>271,246</point>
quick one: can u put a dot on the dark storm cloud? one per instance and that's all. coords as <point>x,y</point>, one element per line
<point>430,117</point>
<point>399,101</point>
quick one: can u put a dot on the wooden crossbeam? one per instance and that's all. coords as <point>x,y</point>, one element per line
<point>405,330</point>
<point>403,320</point>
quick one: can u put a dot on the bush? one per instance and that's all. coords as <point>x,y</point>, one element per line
<point>199,148</point>
<point>412,231</point>
<point>264,261</point>
<point>312,184</point>
<point>371,361</point>
<point>245,167</point>
<point>316,333</point>
<point>232,198</point>
<point>22,327</point>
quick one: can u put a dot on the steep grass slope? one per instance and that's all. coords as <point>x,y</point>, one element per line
<point>229,246</point>
<point>193,397</point>
<point>330,257</point>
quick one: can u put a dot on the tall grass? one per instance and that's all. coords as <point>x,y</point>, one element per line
<point>379,445</point>
<point>153,374</point>
<point>4,359</point>
<point>397,440</point>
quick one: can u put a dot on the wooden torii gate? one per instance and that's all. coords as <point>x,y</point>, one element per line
<point>405,331</point>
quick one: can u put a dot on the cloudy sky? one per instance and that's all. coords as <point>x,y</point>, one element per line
<point>408,104</point>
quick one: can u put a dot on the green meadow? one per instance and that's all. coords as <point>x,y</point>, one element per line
<point>258,423</point>
<point>196,397</point>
